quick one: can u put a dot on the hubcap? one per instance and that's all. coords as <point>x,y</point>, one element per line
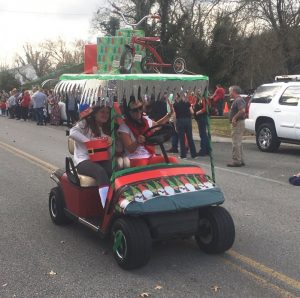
<point>53,206</point>
<point>120,245</point>
<point>265,138</point>
<point>205,233</point>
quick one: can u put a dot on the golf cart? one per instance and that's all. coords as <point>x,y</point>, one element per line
<point>144,204</point>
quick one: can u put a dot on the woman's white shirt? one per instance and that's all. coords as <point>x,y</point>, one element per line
<point>81,135</point>
<point>141,151</point>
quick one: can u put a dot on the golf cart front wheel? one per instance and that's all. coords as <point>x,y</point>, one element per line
<point>132,243</point>
<point>56,207</point>
<point>216,230</point>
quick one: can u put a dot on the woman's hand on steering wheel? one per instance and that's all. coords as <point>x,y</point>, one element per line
<point>158,134</point>
<point>141,139</point>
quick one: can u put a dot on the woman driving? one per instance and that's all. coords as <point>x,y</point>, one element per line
<point>132,132</point>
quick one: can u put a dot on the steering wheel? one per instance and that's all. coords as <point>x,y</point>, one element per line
<point>158,134</point>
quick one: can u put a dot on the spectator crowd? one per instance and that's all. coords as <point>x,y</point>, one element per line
<point>44,107</point>
<point>39,105</point>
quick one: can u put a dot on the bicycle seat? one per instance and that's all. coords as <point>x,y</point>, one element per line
<point>149,39</point>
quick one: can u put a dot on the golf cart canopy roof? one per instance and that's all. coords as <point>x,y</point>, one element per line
<point>109,87</point>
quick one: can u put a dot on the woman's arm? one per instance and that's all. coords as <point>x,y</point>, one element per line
<point>129,144</point>
<point>166,118</point>
<point>77,134</point>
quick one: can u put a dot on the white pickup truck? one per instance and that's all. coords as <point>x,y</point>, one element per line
<point>274,115</point>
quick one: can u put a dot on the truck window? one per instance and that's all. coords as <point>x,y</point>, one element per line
<point>290,96</point>
<point>264,94</point>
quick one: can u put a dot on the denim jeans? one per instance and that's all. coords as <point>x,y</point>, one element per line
<point>174,140</point>
<point>39,115</point>
<point>184,127</point>
<point>202,126</point>
<point>220,107</point>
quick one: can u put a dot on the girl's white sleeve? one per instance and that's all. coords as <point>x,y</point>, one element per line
<point>76,133</point>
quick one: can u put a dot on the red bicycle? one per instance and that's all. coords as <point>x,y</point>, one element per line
<point>150,63</point>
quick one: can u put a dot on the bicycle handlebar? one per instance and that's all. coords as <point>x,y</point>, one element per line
<point>118,11</point>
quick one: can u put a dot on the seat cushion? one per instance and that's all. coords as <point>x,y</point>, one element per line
<point>87,181</point>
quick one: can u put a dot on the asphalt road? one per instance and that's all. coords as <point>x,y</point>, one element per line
<point>264,261</point>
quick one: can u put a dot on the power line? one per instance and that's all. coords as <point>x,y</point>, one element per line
<point>44,13</point>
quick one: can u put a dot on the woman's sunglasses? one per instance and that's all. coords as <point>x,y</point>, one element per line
<point>136,110</point>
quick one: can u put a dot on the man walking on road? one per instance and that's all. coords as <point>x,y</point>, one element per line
<point>237,120</point>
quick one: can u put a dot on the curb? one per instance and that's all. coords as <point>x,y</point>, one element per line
<point>218,139</point>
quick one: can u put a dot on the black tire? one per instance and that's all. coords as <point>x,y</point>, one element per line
<point>144,67</point>
<point>126,61</point>
<point>266,138</point>
<point>56,207</point>
<point>132,243</point>
<point>179,65</point>
<point>216,230</point>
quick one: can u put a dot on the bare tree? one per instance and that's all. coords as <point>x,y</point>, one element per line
<point>38,58</point>
<point>283,17</point>
<point>61,53</point>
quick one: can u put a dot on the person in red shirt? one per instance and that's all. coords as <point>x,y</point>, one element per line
<point>218,100</point>
<point>25,102</point>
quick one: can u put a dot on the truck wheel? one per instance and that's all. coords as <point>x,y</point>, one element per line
<point>266,138</point>
<point>56,207</point>
<point>126,61</point>
<point>132,243</point>
<point>216,230</point>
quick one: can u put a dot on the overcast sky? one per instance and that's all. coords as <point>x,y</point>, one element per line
<point>33,21</point>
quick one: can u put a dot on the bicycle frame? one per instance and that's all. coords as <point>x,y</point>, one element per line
<point>142,41</point>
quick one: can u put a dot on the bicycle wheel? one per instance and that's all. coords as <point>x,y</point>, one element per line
<point>179,65</point>
<point>126,61</point>
<point>144,64</point>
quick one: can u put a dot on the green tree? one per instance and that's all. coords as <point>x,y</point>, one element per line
<point>223,50</point>
<point>8,80</point>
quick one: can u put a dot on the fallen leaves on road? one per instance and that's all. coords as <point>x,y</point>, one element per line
<point>145,294</point>
<point>215,289</point>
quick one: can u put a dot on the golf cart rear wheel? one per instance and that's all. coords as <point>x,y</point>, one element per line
<point>56,207</point>
<point>216,230</point>
<point>132,243</point>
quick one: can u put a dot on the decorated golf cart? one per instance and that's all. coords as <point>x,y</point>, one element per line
<point>148,203</point>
